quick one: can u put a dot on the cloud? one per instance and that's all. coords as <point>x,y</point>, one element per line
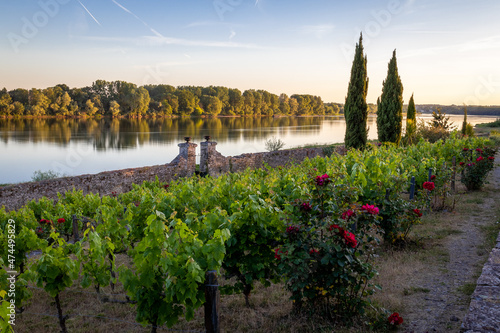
<point>319,31</point>
<point>209,24</point>
<point>155,40</point>
<point>160,41</point>
<point>487,43</point>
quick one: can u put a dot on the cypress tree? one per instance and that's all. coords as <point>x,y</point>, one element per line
<point>411,121</point>
<point>390,105</point>
<point>464,124</point>
<point>355,108</point>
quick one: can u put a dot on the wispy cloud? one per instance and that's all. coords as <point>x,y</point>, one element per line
<point>207,24</point>
<point>89,12</point>
<point>160,41</point>
<point>138,18</point>
<point>319,31</point>
<point>154,40</point>
<point>487,43</point>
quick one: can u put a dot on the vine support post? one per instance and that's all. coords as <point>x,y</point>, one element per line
<point>62,319</point>
<point>412,188</point>
<point>453,175</point>
<point>430,174</point>
<point>387,193</point>
<point>76,237</point>
<point>212,300</point>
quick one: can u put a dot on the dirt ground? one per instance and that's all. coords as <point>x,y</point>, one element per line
<point>440,294</point>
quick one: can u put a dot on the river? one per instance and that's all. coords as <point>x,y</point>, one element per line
<point>86,146</point>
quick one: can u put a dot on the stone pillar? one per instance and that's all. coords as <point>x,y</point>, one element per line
<point>207,150</point>
<point>187,151</point>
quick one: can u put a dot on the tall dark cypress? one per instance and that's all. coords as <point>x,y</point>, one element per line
<point>411,120</point>
<point>355,108</point>
<point>464,124</point>
<point>390,105</point>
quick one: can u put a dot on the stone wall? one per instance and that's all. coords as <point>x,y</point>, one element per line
<point>484,310</point>
<point>119,181</point>
<point>218,164</point>
<point>104,183</point>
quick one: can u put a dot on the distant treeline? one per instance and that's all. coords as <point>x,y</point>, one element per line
<point>492,110</point>
<point>119,98</point>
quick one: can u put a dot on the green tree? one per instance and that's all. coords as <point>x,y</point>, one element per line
<point>38,102</point>
<point>90,109</point>
<point>5,103</point>
<point>441,120</point>
<point>114,108</point>
<point>211,105</point>
<point>18,109</point>
<point>411,121</point>
<point>355,109</point>
<point>390,105</point>
<point>467,128</point>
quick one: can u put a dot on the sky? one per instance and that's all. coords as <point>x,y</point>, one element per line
<point>448,51</point>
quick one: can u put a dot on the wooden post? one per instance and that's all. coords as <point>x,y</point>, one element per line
<point>76,237</point>
<point>453,175</point>
<point>430,174</point>
<point>387,193</point>
<point>412,188</point>
<point>212,300</point>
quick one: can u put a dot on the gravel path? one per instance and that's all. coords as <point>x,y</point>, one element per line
<point>445,306</point>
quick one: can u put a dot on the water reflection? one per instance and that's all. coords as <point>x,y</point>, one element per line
<point>130,133</point>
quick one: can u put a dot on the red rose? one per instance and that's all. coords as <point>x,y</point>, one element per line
<point>433,177</point>
<point>61,220</point>
<point>370,209</point>
<point>350,239</point>
<point>348,214</point>
<point>322,180</point>
<point>278,253</point>
<point>479,150</point>
<point>292,229</point>
<point>337,227</point>
<point>429,186</point>
<point>462,163</point>
<point>395,319</point>
<point>465,149</point>
<point>480,158</point>
<point>306,207</point>
<point>313,251</point>
<point>42,221</point>
<point>166,186</point>
<point>491,158</point>
<point>417,212</point>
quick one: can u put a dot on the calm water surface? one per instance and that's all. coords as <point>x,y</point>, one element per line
<point>78,146</point>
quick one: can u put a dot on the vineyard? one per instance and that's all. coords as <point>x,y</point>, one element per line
<point>313,228</point>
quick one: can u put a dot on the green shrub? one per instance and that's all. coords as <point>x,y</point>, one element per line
<point>40,175</point>
<point>274,144</point>
<point>478,164</point>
